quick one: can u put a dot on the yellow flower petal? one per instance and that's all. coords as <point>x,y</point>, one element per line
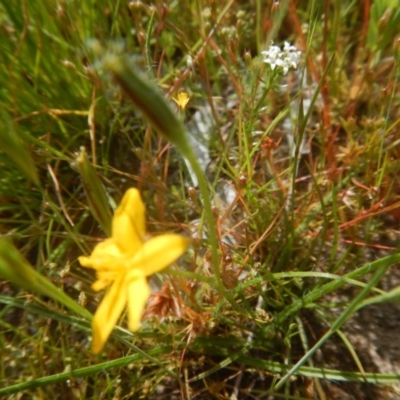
<point>103,255</point>
<point>108,312</point>
<point>100,284</point>
<point>129,225</point>
<point>156,254</point>
<point>138,293</point>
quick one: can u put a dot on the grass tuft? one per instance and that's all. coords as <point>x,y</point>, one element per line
<point>287,184</point>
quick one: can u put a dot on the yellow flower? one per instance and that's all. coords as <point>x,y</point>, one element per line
<point>182,100</point>
<point>124,261</point>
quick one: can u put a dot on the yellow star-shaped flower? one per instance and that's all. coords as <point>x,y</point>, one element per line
<point>124,261</point>
<point>181,100</point>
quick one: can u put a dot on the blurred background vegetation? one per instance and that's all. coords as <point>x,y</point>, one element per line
<point>303,172</point>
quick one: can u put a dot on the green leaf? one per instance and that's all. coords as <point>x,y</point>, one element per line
<point>16,269</point>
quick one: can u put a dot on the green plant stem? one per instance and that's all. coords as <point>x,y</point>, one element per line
<point>211,222</point>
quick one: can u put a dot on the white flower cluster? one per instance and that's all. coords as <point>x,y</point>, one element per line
<point>287,58</point>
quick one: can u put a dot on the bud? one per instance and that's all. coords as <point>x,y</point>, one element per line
<point>149,101</point>
<point>247,58</point>
<point>242,181</point>
<point>215,211</point>
<point>192,192</point>
<point>95,192</point>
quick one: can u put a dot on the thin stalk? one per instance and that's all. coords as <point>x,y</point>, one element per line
<point>209,216</point>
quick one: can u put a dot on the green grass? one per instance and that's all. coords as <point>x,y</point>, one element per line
<point>312,159</point>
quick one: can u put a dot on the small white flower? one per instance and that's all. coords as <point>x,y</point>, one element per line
<point>285,59</point>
